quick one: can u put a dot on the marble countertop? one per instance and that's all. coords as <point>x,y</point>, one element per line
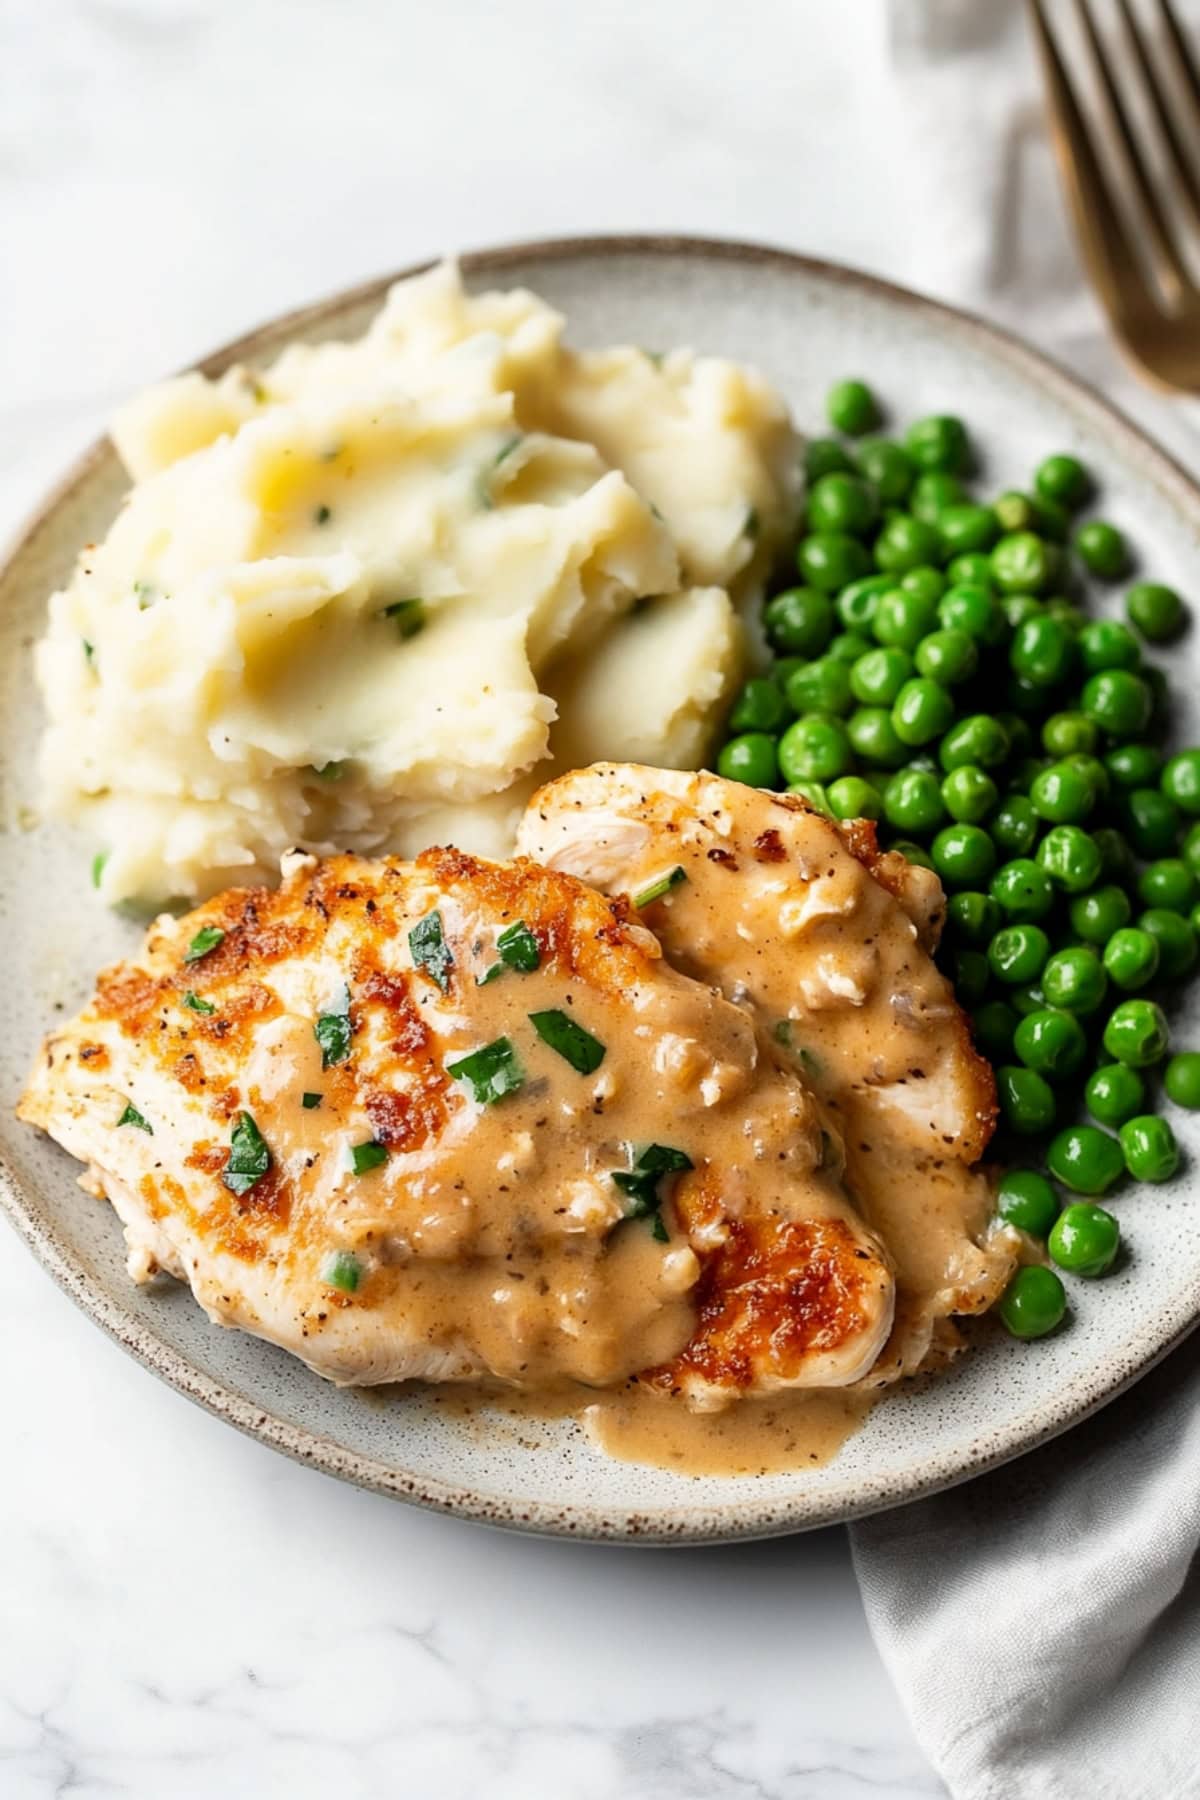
<point>184,1613</point>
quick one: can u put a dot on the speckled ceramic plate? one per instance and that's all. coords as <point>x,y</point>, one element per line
<point>801,322</point>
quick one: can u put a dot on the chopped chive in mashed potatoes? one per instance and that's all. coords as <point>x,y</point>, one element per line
<point>365,598</point>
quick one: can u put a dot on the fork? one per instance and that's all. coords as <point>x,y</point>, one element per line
<point>1129,235</point>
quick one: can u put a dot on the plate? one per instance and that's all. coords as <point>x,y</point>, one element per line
<point>803,323</point>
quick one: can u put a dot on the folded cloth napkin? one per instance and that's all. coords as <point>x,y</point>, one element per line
<point>1042,1623</point>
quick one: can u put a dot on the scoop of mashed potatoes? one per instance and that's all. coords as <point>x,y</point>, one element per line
<point>366,598</point>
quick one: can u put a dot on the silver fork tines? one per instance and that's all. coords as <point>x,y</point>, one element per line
<point>1125,119</point>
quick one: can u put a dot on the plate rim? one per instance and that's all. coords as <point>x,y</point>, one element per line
<point>742,1517</point>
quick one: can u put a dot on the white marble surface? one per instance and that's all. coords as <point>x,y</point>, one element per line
<point>183,1614</point>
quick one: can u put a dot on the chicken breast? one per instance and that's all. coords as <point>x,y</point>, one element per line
<point>454,1118</point>
<point>827,942</point>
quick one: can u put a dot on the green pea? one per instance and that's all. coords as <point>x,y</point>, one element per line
<point>969,974</point>
<point>1063,480</point>
<point>1022,889</point>
<point>969,794</point>
<point>856,603</point>
<point>1061,795</point>
<point>1131,958</point>
<point>1071,858</point>
<point>814,792</point>
<point>750,758</point>
<point>1148,1143</point>
<point>1026,1099</point>
<point>1085,1159</point>
<point>925,582</point>
<point>978,739</point>
<point>1075,980</point>
<point>1015,511</point>
<point>906,543</point>
<point>1067,613</point>
<point>1118,701</point>
<point>1116,858</point>
<point>1018,953</point>
<point>964,856</point>
<point>1136,1033</point>
<point>1093,772</point>
<point>913,853</point>
<point>846,647</point>
<point>1097,915</point>
<point>972,569</point>
<point>932,493</point>
<point>1069,734</point>
<point>1101,549</point>
<point>1027,998</point>
<point>842,503</point>
<point>759,707</point>
<point>851,407</point>
<point>1052,1042</point>
<point>1034,1303</point>
<point>939,442</point>
<point>850,797</point>
<point>815,748</point>
<point>888,467</point>
<point>1113,1094</point>
<point>902,620</point>
<point>877,677</point>
<point>966,527</point>
<point>1020,737</point>
<point>873,737</point>
<point>1042,651</point>
<point>1181,1080</point>
<point>970,608</point>
<point>829,560</point>
<point>921,712</point>
<point>1177,946</point>
<point>1023,564</point>
<point>1134,765</point>
<point>1019,607</point>
<point>994,1025</point>
<point>820,686</point>
<point>1084,1239</point>
<point>1015,826</point>
<point>1151,820</point>
<point>912,801</point>
<point>947,656</point>
<point>1105,644</point>
<point>1025,1199</point>
<point>972,918</point>
<point>1157,611</point>
<point>1180,780</point>
<point>799,621</point>
<point>825,456</point>
<point>1168,882</point>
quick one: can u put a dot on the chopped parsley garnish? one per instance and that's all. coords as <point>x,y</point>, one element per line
<point>484,484</point>
<point>322,515</point>
<point>658,1229</point>
<point>342,1270</point>
<point>145,593</point>
<point>639,1184</point>
<point>657,889</point>
<point>309,1101</point>
<point>577,1046</point>
<point>518,950</point>
<point>783,1032</point>
<point>409,616</point>
<point>89,653</point>
<point>195,1004</point>
<point>367,1156</point>
<point>332,1032</point>
<point>655,357</point>
<point>488,975</point>
<point>809,1061</point>
<point>491,1072</point>
<point>204,941</point>
<point>430,951</point>
<point>330,771</point>
<point>98,862</point>
<point>249,1158</point>
<point>131,1116</point>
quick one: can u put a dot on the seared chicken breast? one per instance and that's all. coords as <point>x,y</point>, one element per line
<point>452,1119</point>
<point>826,942</point>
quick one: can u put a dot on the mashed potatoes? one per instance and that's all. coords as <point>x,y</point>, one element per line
<point>367,598</point>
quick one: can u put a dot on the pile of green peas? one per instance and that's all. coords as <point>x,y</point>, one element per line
<point>936,671</point>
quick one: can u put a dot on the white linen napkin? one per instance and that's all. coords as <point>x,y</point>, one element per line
<point>1042,1624</point>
